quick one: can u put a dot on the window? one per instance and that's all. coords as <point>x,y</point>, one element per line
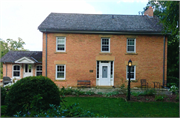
<point>97,69</point>
<point>60,72</point>
<point>38,70</point>
<point>61,44</point>
<point>132,73</point>
<point>105,45</point>
<point>131,45</point>
<point>111,69</point>
<point>16,71</point>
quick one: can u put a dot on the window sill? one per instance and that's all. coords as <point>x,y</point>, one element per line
<point>105,53</point>
<point>60,80</point>
<point>131,53</point>
<point>60,52</point>
<point>131,80</point>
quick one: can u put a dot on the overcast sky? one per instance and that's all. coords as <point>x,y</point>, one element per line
<point>21,18</point>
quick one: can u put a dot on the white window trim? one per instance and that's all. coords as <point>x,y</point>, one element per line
<point>64,45</point>
<point>19,71</point>
<point>134,46</point>
<point>64,72</point>
<point>36,70</point>
<point>134,73</point>
<point>109,44</point>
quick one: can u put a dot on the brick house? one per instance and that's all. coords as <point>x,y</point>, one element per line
<point>97,47</point>
<point>19,64</point>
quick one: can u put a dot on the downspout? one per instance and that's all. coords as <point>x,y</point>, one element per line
<point>164,61</point>
<point>46,52</point>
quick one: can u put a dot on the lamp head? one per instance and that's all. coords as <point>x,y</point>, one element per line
<point>130,63</point>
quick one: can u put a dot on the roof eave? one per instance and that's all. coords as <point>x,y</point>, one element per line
<point>103,32</point>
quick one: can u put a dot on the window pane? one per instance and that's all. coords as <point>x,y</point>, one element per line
<point>39,68</point>
<point>130,42</point>
<point>105,48</point>
<point>104,71</point>
<point>131,73</point>
<point>130,48</point>
<point>16,67</point>
<point>60,47</point>
<point>111,69</point>
<point>26,67</point>
<point>61,68</point>
<point>132,68</point>
<point>60,75</point>
<point>60,41</point>
<point>16,73</point>
<point>38,73</point>
<point>97,69</point>
<point>29,68</point>
<point>105,41</point>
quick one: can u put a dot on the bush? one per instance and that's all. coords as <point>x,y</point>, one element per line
<point>149,92</point>
<point>3,110</point>
<point>3,95</point>
<point>59,111</point>
<point>32,93</point>
<point>159,98</point>
<point>171,79</point>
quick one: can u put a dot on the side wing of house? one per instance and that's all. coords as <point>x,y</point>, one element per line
<point>20,64</point>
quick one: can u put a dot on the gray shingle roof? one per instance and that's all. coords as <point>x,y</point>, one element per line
<point>100,22</point>
<point>12,56</point>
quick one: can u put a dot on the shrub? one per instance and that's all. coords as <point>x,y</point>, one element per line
<point>173,88</point>
<point>136,93</point>
<point>32,93</point>
<point>59,111</point>
<point>159,98</point>
<point>3,95</point>
<point>111,93</point>
<point>177,97</point>
<point>8,86</point>
<point>149,92</point>
<point>3,109</point>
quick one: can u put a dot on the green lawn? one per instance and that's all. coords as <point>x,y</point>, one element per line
<point>117,107</point>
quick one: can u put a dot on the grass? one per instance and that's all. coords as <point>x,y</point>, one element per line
<point>118,107</point>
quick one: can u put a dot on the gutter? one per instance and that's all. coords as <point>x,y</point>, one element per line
<point>46,54</point>
<point>104,32</point>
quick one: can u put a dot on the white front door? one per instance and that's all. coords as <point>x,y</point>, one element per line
<point>28,70</point>
<point>104,74</point>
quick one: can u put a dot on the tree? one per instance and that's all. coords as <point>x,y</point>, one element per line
<point>10,45</point>
<point>168,13</point>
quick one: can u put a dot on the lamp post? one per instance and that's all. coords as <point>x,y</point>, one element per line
<point>129,68</point>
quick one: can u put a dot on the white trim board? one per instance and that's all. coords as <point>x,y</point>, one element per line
<point>24,60</point>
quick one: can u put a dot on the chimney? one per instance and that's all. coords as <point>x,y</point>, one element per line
<point>149,11</point>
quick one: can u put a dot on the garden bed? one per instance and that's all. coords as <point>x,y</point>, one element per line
<point>146,98</point>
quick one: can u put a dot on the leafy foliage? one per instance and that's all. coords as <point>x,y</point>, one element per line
<point>9,45</point>
<point>3,95</point>
<point>159,97</point>
<point>58,111</point>
<point>3,110</point>
<point>32,93</point>
<point>146,92</point>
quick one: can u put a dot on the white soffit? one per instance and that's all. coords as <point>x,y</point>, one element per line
<point>24,60</point>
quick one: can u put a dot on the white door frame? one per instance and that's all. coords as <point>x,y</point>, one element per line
<point>29,72</point>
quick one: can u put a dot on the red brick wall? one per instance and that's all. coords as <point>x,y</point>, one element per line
<point>82,49</point>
